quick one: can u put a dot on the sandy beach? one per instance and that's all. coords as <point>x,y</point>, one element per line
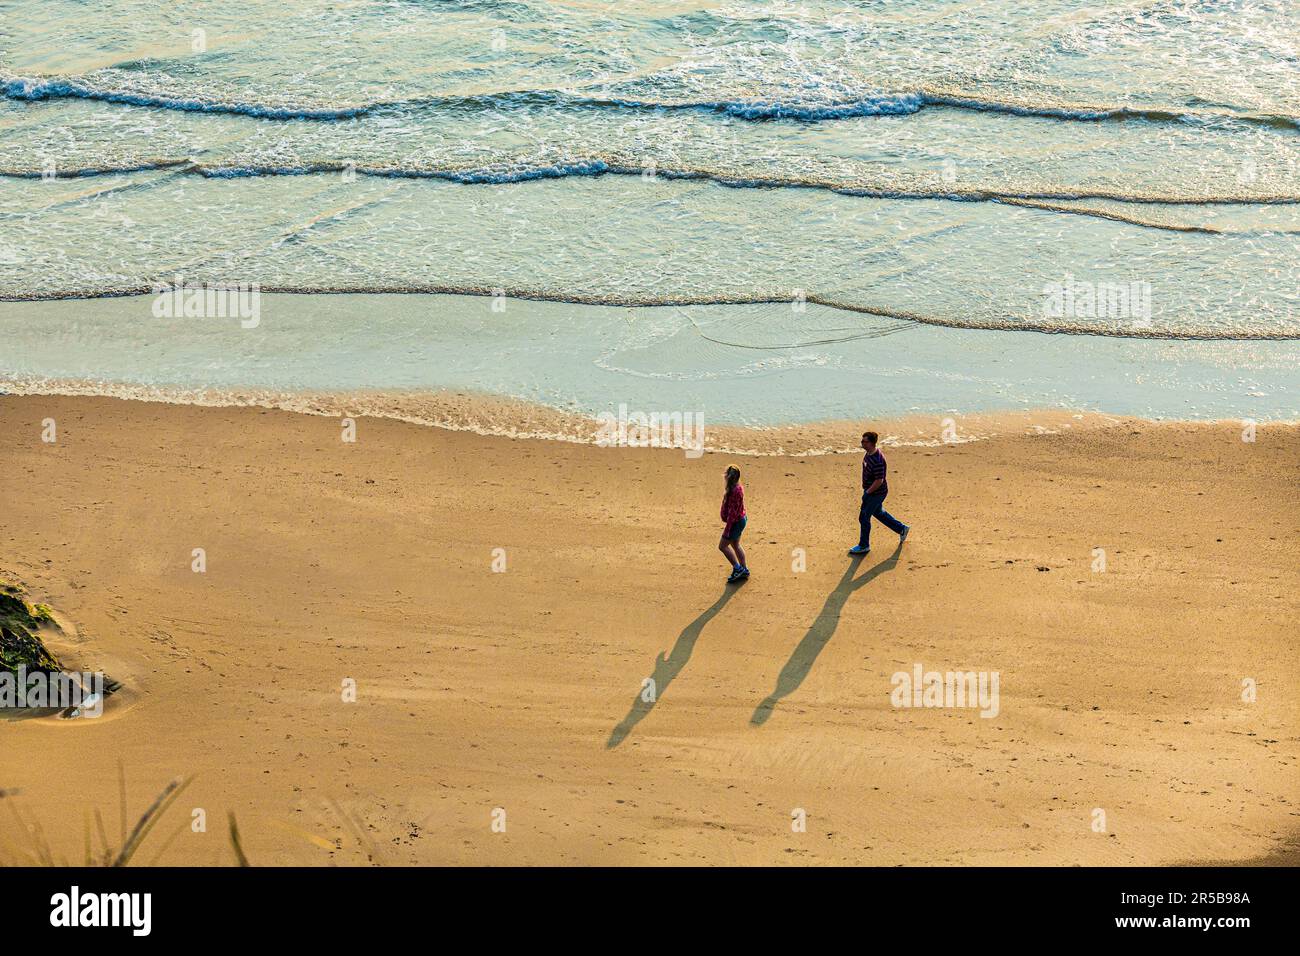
<point>521,690</point>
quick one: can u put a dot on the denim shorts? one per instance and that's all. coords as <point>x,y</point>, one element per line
<point>736,530</point>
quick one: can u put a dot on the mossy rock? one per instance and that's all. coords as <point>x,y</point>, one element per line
<point>20,642</point>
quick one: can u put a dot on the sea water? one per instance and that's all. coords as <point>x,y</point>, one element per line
<point>769,212</point>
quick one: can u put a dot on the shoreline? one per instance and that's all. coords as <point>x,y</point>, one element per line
<point>498,416</point>
<point>523,689</point>
<point>735,365</point>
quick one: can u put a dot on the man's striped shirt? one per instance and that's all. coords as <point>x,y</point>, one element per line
<point>873,467</point>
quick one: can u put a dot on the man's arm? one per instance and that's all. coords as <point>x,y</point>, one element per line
<point>871,488</point>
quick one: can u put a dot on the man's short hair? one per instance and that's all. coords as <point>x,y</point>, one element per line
<point>871,437</point>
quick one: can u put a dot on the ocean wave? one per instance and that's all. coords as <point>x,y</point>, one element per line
<point>35,89</point>
<point>897,104</point>
<point>1092,114</point>
<point>1050,200</point>
<point>900,103</point>
<point>1006,323</point>
<point>99,169</point>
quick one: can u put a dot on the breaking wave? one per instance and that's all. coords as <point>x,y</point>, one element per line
<point>1050,200</point>
<point>34,89</point>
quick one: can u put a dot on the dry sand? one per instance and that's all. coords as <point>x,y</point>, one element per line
<point>1119,690</point>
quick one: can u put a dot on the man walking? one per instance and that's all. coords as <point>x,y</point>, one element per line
<point>874,489</point>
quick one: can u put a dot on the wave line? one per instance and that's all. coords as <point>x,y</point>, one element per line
<point>1006,323</point>
<point>596,166</point>
<point>40,88</point>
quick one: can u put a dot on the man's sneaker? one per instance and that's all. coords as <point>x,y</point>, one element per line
<point>902,535</point>
<point>744,572</point>
<point>735,576</point>
<point>858,550</point>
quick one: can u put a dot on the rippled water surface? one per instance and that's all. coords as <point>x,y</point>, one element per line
<point>935,162</point>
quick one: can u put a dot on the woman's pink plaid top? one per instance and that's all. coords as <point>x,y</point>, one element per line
<point>733,505</point>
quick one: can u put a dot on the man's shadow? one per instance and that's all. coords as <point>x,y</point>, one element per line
<point>819,635</point>
<point>668,667</point>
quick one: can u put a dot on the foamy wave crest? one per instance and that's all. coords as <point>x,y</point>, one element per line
<point>35,89</point>
<point>105,169</point>
<point>470,176</point>
<point>894,104</point>
<point>501,417</point>
<point>520,171</point>
<point>811,110</point>
<point>889,104</point>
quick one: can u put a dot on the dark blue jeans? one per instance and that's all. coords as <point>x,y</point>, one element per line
<point>874,506</point>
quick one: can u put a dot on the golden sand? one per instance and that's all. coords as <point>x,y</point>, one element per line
<point>516,696</point>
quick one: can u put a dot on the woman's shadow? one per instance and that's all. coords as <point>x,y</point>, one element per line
<point>666,668</point>
<point>819,635</point>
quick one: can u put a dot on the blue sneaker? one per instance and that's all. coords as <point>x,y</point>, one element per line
<point>735,576</point>
<point>858,550</point>
<point>902,535</point>
<point>744,572</point>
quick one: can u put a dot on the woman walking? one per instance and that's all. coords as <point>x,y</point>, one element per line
<point>734,518</point>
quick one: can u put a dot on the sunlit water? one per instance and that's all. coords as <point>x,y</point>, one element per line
<point>944,165</point>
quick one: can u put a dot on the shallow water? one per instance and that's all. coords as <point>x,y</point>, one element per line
<point>1120,168</point>
<point>743,365</point>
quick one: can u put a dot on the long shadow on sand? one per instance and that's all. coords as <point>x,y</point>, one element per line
<point>819,635</point>
<point>666,668</point>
